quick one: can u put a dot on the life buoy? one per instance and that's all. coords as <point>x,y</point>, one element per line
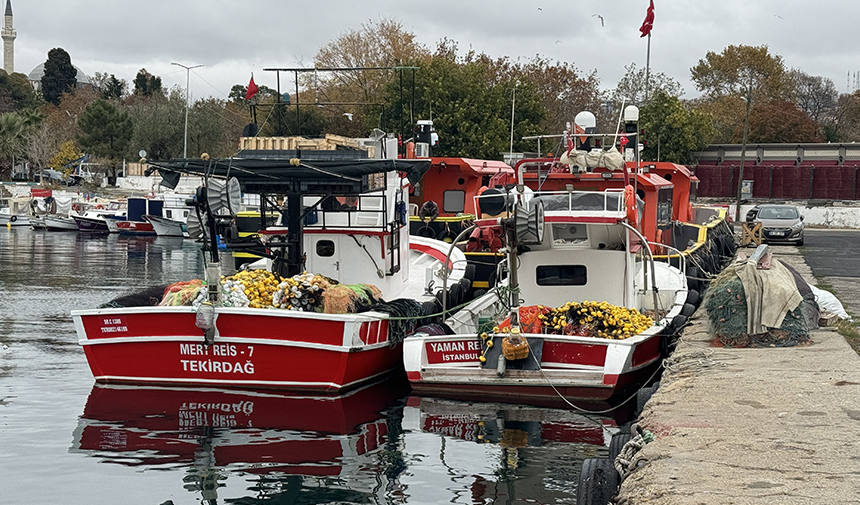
<point>630,204</point>
<point>12,219</point>
<point>99,207</point>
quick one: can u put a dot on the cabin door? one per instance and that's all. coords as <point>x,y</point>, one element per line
<point>325,256</point>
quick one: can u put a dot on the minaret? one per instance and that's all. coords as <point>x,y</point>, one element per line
<point>8,35</point>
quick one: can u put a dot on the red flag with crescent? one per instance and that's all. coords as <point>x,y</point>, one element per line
<point>252,89</point>
<point>645,29</point>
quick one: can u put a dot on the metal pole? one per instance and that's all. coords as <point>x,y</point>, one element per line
<point>743,156</point>
<point>187,100</point>
<point>513,106</point>
<point>648,68</point>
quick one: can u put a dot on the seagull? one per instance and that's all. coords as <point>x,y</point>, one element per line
<point>540,8</point>
<point>598,16</point>
<point>777,15</point>
<point>558,42</point>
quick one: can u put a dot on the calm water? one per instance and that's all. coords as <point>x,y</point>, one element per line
<point>65,440</point>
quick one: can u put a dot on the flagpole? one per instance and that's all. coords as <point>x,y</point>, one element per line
<point>648,68</point>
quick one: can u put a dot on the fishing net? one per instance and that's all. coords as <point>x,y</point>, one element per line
<point>181,293</point>
<point>726,306</point>
<point>147,297</point>
<point>349,298</point>
<point>405,314</point>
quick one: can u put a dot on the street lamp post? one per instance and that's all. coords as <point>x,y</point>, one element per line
<point>187,98</point>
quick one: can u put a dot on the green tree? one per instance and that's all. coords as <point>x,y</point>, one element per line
<point>470,99</point>
<point>16,92</point>
<point>673,132</point>
<point>12,141</point>
<point>146,84</point>
<point>60,75</point>
<point>158,125</point>
<point>105,132</point>
<point>211,129</point>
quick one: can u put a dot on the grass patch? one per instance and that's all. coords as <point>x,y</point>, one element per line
<point>851,331</point>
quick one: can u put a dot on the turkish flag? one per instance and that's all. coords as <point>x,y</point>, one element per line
<point>252,89</point>
<point>649,21</point>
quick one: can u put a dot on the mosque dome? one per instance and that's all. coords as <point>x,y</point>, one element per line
<point>35,76</point>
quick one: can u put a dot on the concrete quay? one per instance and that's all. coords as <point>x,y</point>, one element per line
<point>752,426</point>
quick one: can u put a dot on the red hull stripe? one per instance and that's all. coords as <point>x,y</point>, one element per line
<point>432,251</point>
<point>646,352</point>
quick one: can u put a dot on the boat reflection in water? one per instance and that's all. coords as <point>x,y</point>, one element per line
<point>269,438</point>
<point>513,453</point>
<point>374,445</point>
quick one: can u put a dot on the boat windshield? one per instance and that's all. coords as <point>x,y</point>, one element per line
<point>609,201</point>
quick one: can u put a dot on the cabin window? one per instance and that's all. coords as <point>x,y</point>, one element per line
<point>454,201</point>
<point>168,214</point>
<point>325,248</point>
<point>664,206</point>
<point>562,275</point>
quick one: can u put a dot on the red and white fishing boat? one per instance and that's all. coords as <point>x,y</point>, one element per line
<point>363,240</point>
<point>581,247</point>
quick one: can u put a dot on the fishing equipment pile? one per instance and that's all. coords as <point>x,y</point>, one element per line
<point>262,289</point>
<point>728,313</point>
<point>587,319</point>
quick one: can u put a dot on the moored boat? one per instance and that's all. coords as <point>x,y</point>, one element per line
<point>58,222</point>
<point>586,314</point>
<point>259,344</point>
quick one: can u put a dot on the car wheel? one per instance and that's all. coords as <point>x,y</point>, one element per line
<point>800,242</point>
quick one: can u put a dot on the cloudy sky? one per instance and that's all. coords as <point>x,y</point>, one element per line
<point>232,39</point>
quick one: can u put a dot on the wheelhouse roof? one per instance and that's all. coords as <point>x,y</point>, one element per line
<point>258,175</point>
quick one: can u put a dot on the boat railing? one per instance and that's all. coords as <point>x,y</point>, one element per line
<point>349,211</point>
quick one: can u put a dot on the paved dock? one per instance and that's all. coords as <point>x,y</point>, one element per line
<point>753,426</point>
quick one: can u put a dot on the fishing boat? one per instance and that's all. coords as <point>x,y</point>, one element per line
<point>135,224</point>
<point>584,312</point>
<point>94,218</point>
<point>346,223</point>
<point>15,212</point>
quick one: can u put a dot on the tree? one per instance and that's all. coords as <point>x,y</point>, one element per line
<point>631,89</point>
<point>470,98</point>
<point>742,71</point>
<point>60,76</point>
<point>158,125</point>
<point>673,132</point>
<point>563,90</point>
<point>105,132</point>
<point>12,141</point>
<point>211,130</point>
<point>146,84</point>
<point>67,153</point>
<point>814,95</point>
<point>780,121</point>
<point>16,92</point>
<point>109,86</point>
<point>750,73</point>
<point>377,44</point>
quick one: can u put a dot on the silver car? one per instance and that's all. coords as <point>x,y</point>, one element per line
<point>780,223</point>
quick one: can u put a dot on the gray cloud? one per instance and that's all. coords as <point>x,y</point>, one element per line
<point>233,39</point>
